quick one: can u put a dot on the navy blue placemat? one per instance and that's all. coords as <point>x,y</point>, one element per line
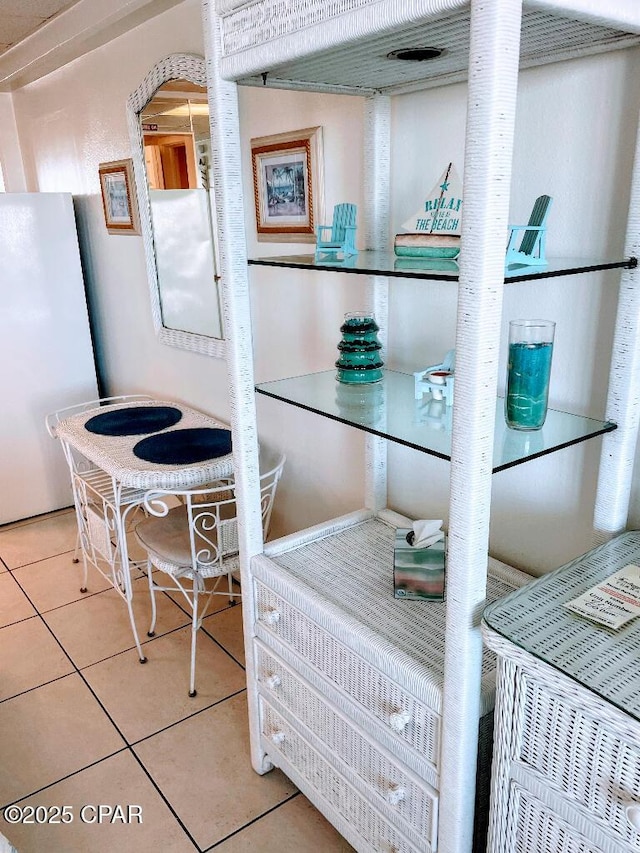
<point>184,446</point>
<point>136,420</point>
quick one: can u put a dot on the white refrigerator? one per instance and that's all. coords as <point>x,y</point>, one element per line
<point>46,353</point>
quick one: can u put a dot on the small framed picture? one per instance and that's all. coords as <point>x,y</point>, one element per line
<point>288,185</point>
<point>118,197</point>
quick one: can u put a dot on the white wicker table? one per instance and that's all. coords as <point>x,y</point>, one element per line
<point>115,456</point>
<point>566,773</point>
<point>110,481</point>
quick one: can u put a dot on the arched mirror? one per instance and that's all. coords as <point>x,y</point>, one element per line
<point>168,118</point>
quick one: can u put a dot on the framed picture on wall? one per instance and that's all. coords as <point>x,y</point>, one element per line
<point>288,185</point>
<point>118,198</point>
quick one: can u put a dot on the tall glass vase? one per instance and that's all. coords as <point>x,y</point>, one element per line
<point>528,373</point>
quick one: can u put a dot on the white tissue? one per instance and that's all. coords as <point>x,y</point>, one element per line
<point>426,532</point>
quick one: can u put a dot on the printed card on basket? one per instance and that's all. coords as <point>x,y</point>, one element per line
<point>614,601</point>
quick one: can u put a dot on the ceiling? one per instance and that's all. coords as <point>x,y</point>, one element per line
<point>20,18</point>
<point>40,36</point>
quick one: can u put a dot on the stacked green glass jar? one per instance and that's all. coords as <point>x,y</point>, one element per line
<point>359,360</point>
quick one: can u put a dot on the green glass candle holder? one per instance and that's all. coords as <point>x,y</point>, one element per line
<point>359,362</point>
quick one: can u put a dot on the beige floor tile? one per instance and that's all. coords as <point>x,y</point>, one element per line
<point>226,627</point>
<point>56,581</point>
<point>22,521</point>
<point>14,604</point>
<point>144,699</point>
<point>294,827</point>
<point>29,656</point>
<point>97,627</point>
<point>203,768</point>
<point>118,780</point>
<point>49,732</point>
<point>27,543</point>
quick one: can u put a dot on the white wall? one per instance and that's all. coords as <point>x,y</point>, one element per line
<point>297,315</point>
<point>575,135</point>
<point>10,155</point>
<point>74,119</point>
<point>69,122</point>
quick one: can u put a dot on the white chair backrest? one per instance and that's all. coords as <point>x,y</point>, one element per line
<point>213,527</point>
<point>268,484</point>
<point>211,514</point>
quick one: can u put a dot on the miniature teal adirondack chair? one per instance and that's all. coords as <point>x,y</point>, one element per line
<point>342,233</point>
<point>531,250</point>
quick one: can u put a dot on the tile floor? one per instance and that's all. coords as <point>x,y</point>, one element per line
<point>83,723</point>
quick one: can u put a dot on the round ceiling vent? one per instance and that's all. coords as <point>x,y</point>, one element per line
<point>416,54</point>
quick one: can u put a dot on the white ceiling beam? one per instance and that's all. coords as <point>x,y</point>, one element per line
<point>83,27</point>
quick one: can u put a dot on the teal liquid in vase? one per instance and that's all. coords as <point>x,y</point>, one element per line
<point>528,375</point>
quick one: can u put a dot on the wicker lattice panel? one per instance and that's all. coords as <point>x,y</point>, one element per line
<point>365,684</point>
<point>537,829</point>
<point>581,757</point>
<point>535,619</point>
<point>384,778</point>
<point>359,60</point>
<point>353,571</point>
<point>351,807</point>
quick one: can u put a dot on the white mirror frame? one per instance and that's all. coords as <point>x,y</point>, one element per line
<point>178,66</point>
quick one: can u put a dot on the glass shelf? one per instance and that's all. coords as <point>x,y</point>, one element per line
<point>388,409</point>
<point>389,264</point>
<point>535,619</point>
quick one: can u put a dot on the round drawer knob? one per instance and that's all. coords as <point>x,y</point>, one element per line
<point>399,720</point>
<point>277,737</point>
<point>271,617</point>
<point>633,816</point>
<point>273,681</point>
<point>396,795</point>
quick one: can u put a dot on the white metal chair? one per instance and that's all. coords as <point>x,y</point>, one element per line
<point>196,541</point>
<point>103,508</point>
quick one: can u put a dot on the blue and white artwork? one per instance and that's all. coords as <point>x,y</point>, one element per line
<point>286,188</point>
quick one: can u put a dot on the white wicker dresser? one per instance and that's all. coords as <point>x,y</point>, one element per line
<point>350,683</point>
<point>372,709</point>
<point>566,771</point>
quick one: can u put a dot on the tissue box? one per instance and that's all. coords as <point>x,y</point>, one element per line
<point>418,573</point>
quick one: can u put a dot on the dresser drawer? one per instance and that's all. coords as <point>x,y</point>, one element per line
<point>408,801</point>
<point>304,764</point>
<point>535,828</point>
<point>408,719</point>
<point>581,757</point>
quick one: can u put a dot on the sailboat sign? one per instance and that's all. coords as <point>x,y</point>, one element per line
<point>441,213</point>
<point>434,231</point>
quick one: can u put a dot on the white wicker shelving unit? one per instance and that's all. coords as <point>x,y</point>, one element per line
<point>389,751</point>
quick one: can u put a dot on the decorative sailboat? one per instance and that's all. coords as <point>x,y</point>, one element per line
<point>434,231</point>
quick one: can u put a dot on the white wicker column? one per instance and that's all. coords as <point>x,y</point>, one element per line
<point>493,77</point>
<point>623,400</point>
<point>377,189</point>
<point>227,173</point>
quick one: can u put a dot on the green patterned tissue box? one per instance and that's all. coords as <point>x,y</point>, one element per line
<point>418,573</point>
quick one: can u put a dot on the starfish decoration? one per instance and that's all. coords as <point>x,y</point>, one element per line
<point>444,186</point>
